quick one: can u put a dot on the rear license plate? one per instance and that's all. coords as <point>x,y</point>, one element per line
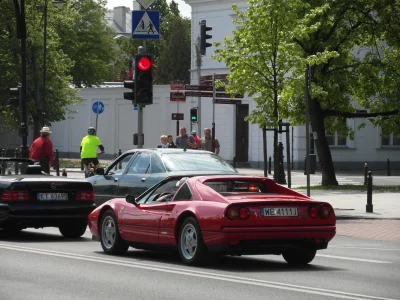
<point>279,212</point>
<point>52,196</point>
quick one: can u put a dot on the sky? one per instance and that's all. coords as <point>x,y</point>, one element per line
<point>184,8</point>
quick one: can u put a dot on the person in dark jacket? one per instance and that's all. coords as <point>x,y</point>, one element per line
<point>171,143</point>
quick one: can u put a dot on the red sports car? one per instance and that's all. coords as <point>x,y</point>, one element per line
<point>227,214</point>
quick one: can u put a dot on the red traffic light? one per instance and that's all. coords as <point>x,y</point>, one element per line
<point>144,64</point>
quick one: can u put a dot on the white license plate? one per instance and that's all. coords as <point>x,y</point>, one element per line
<point>279,212</point>
<point>52,196</point>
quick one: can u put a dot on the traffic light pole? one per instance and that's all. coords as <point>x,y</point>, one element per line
<point>140,111</point>
<point>213,114</point>
<point>198,62</point>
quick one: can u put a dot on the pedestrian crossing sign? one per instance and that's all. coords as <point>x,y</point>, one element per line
<point>145,24</point>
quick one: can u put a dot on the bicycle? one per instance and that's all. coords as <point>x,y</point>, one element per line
<point>90,168</point>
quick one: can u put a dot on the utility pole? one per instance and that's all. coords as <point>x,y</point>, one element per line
<point>140,107</point>
<point>308,162</point>
<point>198,63</point>
<point>21,34</point>
<point>42,110</point>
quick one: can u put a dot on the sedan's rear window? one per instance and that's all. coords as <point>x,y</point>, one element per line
<point>225,187</point>
<point>196,162</point>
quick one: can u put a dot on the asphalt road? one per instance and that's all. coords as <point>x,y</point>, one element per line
<point>40,264</point>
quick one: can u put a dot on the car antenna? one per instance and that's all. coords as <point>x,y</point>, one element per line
<point>184,149</point>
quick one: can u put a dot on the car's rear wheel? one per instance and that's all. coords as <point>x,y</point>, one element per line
<point>300,256</point>
<point>110,239</point>
<point>73,230</point>
<point>191,245</point>
<point>11,230</point>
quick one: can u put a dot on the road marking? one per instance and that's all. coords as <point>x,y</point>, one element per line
<point>196,273</point>
<point>364,248</point>
<point>356,259</point>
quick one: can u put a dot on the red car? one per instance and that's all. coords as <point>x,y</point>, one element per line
<point>227,214</point>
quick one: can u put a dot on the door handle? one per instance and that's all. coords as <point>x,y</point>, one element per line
<point>115,179</point>
<point>143,179</point>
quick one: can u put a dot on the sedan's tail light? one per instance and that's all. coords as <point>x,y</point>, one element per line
<point>325,212</point>
<point>14,196</point>
<point>237,213</point>
<point>85,195</point>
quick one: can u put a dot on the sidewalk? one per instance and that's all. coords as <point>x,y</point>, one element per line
<point>347,204</point>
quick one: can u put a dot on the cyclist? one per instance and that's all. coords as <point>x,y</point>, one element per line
<point>88,150</point>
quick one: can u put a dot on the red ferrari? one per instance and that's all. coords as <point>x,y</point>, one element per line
<point>227,214</point>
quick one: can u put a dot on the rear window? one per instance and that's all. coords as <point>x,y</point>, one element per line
<point>227,187</point>
<point>195,162</point>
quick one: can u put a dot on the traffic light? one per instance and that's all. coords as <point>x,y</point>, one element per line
<point>144,79</point>
<point>193,114</point>
<point>204,37</point>
<point>130,95</point>
<point>17,94</point>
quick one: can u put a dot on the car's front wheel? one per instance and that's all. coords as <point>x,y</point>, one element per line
<point>301,256</point>
<point>73,230</point>
<point>191,245</point>
<point>110,239</point>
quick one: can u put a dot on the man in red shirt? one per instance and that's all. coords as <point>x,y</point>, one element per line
<point>42,148</point>
<point>196,138</point>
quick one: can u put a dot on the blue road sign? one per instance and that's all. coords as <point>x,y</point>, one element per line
<point>145,24</point>
<point>98,107</point>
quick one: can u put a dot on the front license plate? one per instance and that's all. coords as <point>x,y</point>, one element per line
<point>52,196</point>
<point>279,212</point>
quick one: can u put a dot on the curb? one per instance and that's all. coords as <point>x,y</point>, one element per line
<point>363,218</point>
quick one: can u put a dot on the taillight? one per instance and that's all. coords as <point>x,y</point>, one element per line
<point>15,196</point>
<point>253,188</point>
<point>313,212</point>
<point>85,195</point>
<point>237,213</point>
<point>325,212</point>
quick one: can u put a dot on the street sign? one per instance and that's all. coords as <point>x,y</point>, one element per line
<point>202,88</point>
<point>217,76</point>
<point>177,97</point>
<point>177,85</point>
<point>146,3</point>
<point>206,83</point>
<point>227,101</point>
<point>198,94</point>
<point>177,116</point>
<point>145,24</point>
<point>98,107</point>
<point>224,95</point>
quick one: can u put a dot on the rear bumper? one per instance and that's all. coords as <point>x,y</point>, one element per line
<point>268,240</point>
<point>39,216</point>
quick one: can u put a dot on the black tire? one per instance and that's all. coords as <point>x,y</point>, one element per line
<point>110,239</point>
<point>190,227</point>
<point>10,231</point>
<point>73,230</point>
<point>300,256</point>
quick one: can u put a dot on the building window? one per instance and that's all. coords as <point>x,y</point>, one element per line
<point>390,140</point>
<point>335,139</point>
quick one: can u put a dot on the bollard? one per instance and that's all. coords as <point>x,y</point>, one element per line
<point>3,168</point>
<point>369,206</point>
<point>388,167</point>
<point>16,153</point>
<point>64,172</point>
<point>365,173</point>
<point>3,152</point>
<point>120,164</point>
<point>269,165</point>
<point>57,162</point>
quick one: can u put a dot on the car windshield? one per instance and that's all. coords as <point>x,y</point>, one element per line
<point>195,162</point>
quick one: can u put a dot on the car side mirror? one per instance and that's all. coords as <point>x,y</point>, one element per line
<point>131,199</point>
<point>100,171</point>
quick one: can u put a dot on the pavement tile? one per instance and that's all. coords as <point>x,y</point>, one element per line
<point>377,229</point>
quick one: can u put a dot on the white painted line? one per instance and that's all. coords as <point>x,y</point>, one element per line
<point>355,259</point>
<point>364,248</point>
<point>196,273</point>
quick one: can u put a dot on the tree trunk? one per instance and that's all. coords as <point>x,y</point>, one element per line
<point>323,150</point>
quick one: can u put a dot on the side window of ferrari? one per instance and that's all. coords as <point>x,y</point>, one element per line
<point>184,194</point>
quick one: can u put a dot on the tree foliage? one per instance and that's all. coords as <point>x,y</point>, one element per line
<point>353,56</point>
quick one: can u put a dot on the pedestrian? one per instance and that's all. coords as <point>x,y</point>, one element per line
<point>195,137</point>
<point>171,143</point>
<point>163,142</point>
<point>185,141</point>
<point>206,142</point>
<point>41,151</point>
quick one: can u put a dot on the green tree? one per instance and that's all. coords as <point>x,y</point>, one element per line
<point>344,44</point>
<point>258,59</point>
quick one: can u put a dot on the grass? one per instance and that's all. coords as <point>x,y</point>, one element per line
<point>76,163</point>
<point>353,187</point>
